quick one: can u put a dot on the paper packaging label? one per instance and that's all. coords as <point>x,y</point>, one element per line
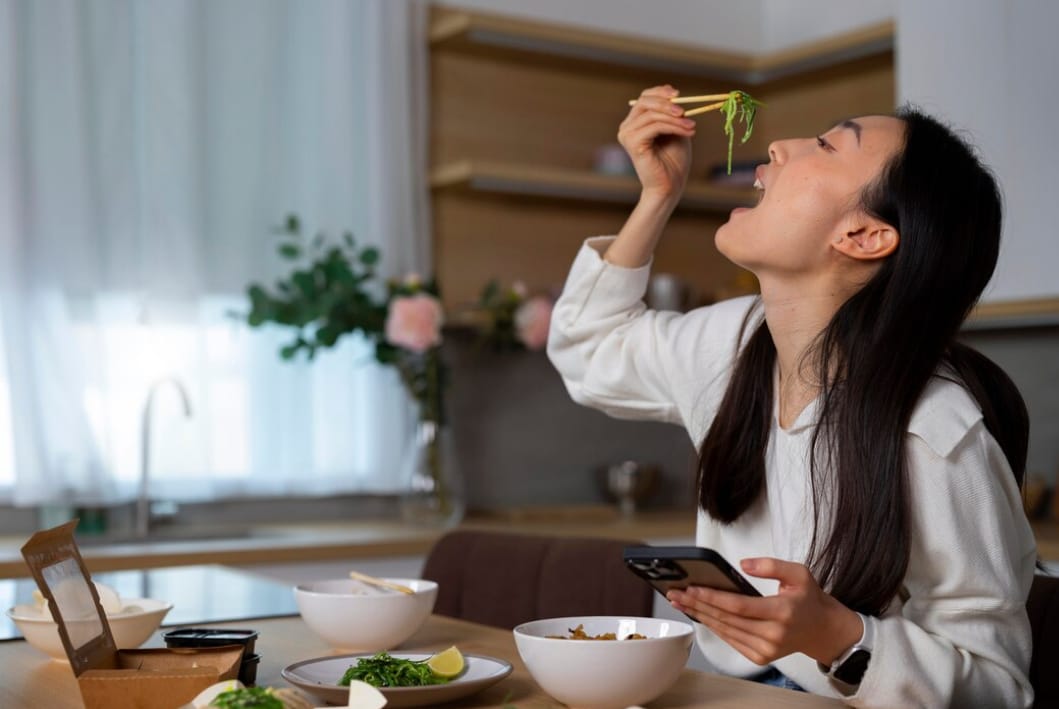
<point>108,677</point>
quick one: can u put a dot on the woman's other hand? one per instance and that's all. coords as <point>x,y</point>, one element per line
<point>657,137</point>
<point>801,617</point>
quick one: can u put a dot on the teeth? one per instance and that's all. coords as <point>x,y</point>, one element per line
<point>758,184</point>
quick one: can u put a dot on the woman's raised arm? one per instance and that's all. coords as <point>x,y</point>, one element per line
<point>658,140</point>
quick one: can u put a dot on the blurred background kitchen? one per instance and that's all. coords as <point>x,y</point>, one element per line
<point>158,158</point>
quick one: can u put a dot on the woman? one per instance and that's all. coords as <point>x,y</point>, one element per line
<point>861,466</point>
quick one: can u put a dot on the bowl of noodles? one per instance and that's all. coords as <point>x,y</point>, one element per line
<point>604,662</point>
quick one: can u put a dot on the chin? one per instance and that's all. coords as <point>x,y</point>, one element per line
<point>736,242</point>
<point>724,239</point>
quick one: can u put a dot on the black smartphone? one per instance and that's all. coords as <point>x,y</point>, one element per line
<point>680,567</point>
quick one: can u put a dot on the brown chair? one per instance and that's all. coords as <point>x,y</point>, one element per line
<point>505,579</point>
<point>1043,608</point>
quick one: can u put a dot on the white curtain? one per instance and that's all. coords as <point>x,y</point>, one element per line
<point>147,150</point>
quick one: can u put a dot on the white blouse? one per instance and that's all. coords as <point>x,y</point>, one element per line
<point>962,637</point>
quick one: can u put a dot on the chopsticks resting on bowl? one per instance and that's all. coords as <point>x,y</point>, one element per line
<point>380,583</point>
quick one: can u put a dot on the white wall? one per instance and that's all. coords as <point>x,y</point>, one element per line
<point>991,67</point>
<point>788,23</point>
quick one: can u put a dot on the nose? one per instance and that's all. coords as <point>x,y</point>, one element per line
<point>780,151</point>
<point>777,151</point>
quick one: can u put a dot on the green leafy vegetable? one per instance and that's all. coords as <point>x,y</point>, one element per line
<point>742,106</point>
<point>247,698</point>
<point>382,670</point>
<point>735,105</point>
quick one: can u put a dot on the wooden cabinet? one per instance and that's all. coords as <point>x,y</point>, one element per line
<point>518,110</point>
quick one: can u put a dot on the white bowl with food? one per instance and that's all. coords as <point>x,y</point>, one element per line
<point>132,621</point>
<point>357,617</point>
<point>627,661</point>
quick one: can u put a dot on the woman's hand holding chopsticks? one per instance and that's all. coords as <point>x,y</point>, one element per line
<point>657,137</point>
<point>735,105</point>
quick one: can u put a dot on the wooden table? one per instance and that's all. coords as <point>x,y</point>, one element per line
<point>28,680</point>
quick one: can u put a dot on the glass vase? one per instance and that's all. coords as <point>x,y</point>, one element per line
<point>433,486</point>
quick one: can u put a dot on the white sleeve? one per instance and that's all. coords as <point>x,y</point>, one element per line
<point>962,637</point>
<point>630,362</point>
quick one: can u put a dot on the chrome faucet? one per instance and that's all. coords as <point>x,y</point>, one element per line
<point>143,502</point>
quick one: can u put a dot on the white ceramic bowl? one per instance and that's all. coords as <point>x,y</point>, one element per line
<point>348,619</point>
<point>604,674</point>
<point>129,628</point>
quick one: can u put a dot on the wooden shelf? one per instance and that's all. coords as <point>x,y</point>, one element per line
<point>463,36</point>
<point>520,108</point>
<point>461,30</point>
<point>560,183</point>
<point>1011,314</point>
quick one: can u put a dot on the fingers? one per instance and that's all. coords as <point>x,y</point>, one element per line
<point>761,641</point>
<point>643,129</point>
<point>657,98</point>
<point>658,93</point>
<point>757,607</point>
<point>766,621</point>
<point>753,648</point>
<point>639,136</point>
<point>788,573</point>
<point>653,115</point>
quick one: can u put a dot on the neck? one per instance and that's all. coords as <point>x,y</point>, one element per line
<point>796,316</point>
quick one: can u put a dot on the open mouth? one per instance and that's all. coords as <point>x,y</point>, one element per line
<point>759,184</point>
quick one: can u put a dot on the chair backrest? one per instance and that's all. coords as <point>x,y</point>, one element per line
<point>503,579</point>
<point>1043,609</point>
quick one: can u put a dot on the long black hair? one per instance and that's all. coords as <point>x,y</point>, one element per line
<point>872,363</point>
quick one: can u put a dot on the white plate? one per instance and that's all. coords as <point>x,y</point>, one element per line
<point>320,677</point>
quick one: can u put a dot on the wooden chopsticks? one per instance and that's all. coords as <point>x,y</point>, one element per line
<point>735,105</point>
<point>380,583</point>
<point>717,99</point>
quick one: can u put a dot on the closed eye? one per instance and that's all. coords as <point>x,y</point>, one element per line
<point>824,144</point>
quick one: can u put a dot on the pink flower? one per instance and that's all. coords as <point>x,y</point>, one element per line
<point>532,320</point>
<point>414,322</point>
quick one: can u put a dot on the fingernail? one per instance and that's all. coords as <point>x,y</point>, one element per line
<point>749,564</point>
<point>688,122</point>
<point>676,110</point>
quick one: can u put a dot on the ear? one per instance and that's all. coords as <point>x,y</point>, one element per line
<point>867,240</point>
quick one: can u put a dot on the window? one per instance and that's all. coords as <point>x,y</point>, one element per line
<point>152,147</point>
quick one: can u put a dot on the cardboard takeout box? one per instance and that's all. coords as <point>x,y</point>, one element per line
<point>161,678</point>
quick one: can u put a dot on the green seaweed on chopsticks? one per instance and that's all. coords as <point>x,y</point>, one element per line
<point>742,106</point>
<point>735,105</point>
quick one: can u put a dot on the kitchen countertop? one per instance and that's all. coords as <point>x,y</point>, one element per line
<point>200,594</point>
<point>309,542</point>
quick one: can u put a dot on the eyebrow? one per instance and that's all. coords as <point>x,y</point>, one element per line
<point>853,126</point>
